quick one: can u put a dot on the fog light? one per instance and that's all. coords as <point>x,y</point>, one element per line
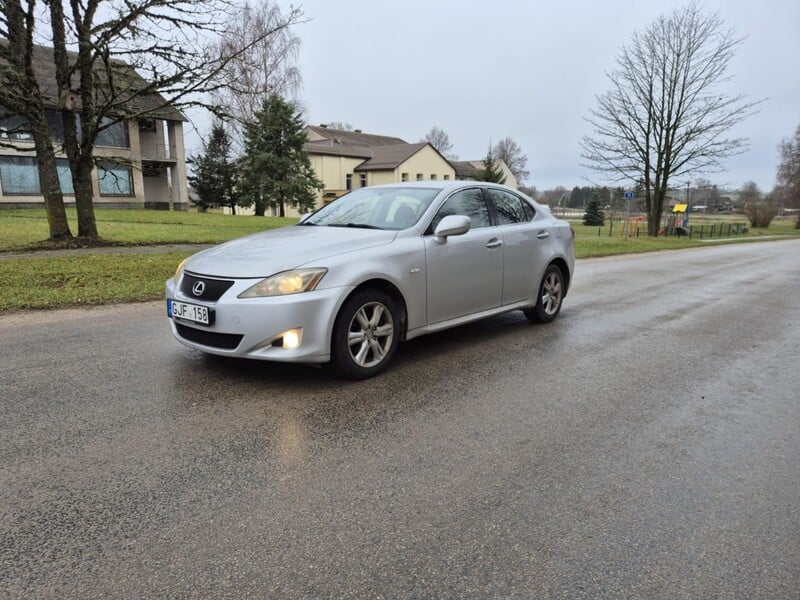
<point>291,338</point>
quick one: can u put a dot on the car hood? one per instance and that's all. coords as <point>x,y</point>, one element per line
<point>276,250</point>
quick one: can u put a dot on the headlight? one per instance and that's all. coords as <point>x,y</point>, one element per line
<point>288,282</point>
<point>179,270</point>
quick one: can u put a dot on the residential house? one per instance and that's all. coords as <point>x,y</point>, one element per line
<point>346,160</point>
<point>140,161</point>
<point>466,170</point>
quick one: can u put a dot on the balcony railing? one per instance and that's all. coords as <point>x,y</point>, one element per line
<point>155,151</point>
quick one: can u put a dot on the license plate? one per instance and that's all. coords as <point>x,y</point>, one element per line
<point>188,312</point>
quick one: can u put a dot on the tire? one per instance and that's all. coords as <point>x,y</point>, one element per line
<point>549,298</point>
<point>365,334</point>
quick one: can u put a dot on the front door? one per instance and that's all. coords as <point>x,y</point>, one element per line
<point>465,273</point>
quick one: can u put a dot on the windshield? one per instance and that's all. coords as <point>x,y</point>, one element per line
<point>375,208</point>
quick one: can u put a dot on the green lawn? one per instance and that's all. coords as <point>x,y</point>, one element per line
<point>54,282</point>
<point>105,277</point>
<point>24,229</point>
<point>596,241</point>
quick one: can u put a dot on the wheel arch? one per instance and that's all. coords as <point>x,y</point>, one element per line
<point>391,290</point>
<point>562,264</point>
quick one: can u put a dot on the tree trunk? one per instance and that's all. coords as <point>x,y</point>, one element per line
<point>655,211</point>
<point>82,180</point>
<point>260,206</point>
<point>49,183</point>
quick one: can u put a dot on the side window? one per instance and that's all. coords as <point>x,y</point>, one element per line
<point>529,212</point>
<point>509,207</point>
<point>469,203</point>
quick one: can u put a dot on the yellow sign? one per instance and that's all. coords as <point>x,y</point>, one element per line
<point>679,208</point>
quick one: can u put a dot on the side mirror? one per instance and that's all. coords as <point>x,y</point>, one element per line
<point>451,225</point>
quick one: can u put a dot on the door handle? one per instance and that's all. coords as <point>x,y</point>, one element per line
<point>494,243</point>
<point>543,235</point>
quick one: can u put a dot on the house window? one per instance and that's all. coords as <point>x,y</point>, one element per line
<point>349,182</point>
<point>65,176</point>
<point>447,177</point>
<point>433,177</point>
<point>114,136</point>
<point>363,178</point>
<point>16,129</point>
<point>56,126</point>
<point>19,176</point>
<point>147,125</point>
<point>404,177</point>
<point>114,180</point>
<point>419,176</point>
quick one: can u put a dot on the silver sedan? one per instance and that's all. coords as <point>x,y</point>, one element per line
<point>376,266</point>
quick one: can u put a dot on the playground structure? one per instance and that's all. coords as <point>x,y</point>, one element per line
<point>631,225</point>
<point>678,222</point>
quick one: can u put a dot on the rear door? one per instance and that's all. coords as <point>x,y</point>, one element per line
<point>526,245</point>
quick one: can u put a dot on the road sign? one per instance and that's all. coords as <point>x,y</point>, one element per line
<point>629,194</point>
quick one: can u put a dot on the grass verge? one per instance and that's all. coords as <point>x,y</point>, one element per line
<point>54,282</point>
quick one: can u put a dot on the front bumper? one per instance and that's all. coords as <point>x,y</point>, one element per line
<point>260,322</point>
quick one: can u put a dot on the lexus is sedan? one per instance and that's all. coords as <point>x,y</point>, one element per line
<point>375,266</point>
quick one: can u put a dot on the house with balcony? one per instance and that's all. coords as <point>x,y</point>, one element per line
<point>139,161</point>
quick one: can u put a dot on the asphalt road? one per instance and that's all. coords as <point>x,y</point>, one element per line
<point>645,445</point>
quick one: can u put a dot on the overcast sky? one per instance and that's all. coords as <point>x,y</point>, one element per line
<point>529,70</point>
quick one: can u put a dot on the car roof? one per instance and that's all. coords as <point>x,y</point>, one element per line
<point>439,184</point>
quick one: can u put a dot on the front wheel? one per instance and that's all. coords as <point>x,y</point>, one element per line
<point>365,334</point>
<point>550,297</point>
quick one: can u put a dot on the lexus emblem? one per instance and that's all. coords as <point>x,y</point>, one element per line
<point>198,288</point>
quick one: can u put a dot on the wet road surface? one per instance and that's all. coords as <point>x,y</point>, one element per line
<point>646,444</point>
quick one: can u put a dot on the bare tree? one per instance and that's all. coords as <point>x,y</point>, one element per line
<point>666,115</point>
<point>750,194</point>
<point>171,43</point>
<point>264,59</point>
<point>757,209</point>
<point>706,194</point>
<point>510,153</point>
<point>788,188</point>
<point>555,198</point>
<point>21,98</point>
<point>441,141</point>
<point>340,126</point>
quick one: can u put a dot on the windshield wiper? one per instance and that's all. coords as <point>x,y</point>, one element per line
<point>356,225</point>
<point>306,223</point>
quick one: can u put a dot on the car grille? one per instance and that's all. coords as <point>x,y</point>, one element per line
<point>224,341</point>
<point>212,288</point>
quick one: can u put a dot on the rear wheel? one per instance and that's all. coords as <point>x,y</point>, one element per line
<point>365,335</point>
<point>550,297</point>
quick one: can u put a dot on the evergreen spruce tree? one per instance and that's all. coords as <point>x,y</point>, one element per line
<point>594,214</point>
<point>490,172</point>
<point>214,177</point>
<point>277,171</point>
